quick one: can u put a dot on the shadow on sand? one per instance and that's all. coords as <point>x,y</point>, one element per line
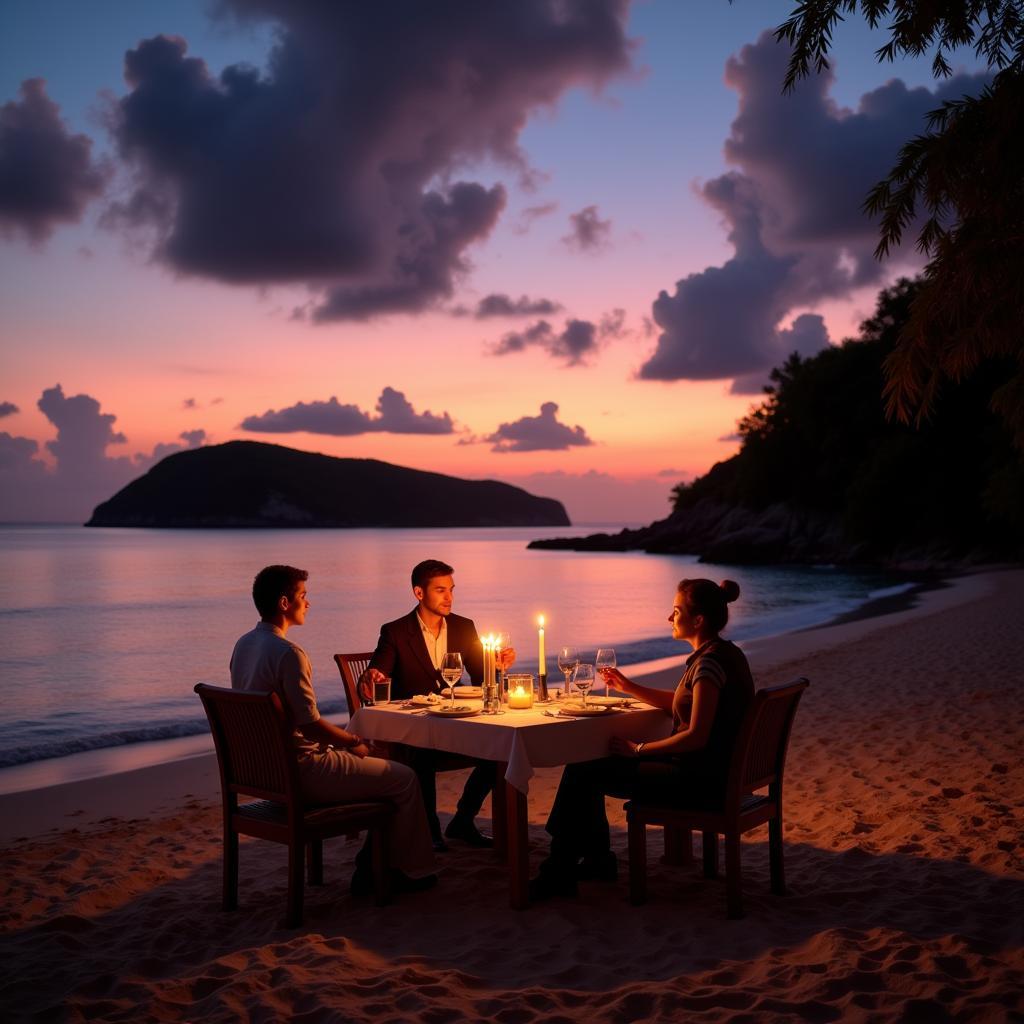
<point>855,929</point>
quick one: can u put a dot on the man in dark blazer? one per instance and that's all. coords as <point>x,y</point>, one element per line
<point>409,651</point>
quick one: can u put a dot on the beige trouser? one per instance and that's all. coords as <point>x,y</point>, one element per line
<point>336,775</point>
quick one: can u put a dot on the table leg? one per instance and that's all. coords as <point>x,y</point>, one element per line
<point>518,847</point>
<point>499,813</point>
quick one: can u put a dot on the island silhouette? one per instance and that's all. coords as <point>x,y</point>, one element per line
<point>249,484</point>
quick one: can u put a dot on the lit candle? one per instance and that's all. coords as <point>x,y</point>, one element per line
<point>521,690</point>
<point>520,698</point>
<point>540,640</point>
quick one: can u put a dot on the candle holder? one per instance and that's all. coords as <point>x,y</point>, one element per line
<point>520,691</point>
<point>542,687</point>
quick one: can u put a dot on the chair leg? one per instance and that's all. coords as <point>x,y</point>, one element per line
<point>379,861</point>
<point>775,862</point>
<point>678,845</point>
<point>637,838</point>
<point>709,852</point>
<point>733,875</point>
<point>315,861</point>
<point>229,900</point>
<point>295,883</point>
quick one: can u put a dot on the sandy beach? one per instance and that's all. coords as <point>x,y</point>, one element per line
<point>904,845</point>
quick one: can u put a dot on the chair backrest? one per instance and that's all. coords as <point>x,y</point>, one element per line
<point>351,667</point>
<point>759,757</point>
<point>254,743</point>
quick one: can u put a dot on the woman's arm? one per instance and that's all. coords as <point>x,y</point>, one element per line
<point>694,737</point>
<point>648,694</point>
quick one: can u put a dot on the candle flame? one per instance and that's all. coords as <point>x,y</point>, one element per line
<point>540,621</point>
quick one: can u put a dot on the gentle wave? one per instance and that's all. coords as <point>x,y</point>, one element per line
<point>894,591</point>
<point>117,738</point>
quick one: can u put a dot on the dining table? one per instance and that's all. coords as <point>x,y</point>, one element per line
<point>518,741</point>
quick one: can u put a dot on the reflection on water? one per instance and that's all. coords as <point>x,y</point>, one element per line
<point>105,632</point>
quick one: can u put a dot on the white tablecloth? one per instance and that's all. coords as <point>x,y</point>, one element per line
<point>526,740</point>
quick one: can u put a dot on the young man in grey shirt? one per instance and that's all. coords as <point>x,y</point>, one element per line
<point>334,765</point>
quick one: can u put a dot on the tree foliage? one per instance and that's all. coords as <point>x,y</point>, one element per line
<point>820,442</point>
<point>963,180</point>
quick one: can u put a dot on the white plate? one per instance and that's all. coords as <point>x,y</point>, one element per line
<point>469,691</point>
<point>459,711</point>
<point>571,710</point>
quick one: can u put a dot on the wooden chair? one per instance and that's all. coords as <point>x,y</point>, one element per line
<point>759,761</point>
<point>256,756</point>
<point>351,667</point>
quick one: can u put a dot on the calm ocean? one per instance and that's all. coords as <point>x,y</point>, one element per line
<point>103,633</point>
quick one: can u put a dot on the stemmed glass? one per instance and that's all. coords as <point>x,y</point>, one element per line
<point>605,659</point>
<point>502,641</point>
<point>568,659</point>
<point>451,672</point>
<point>583,678</point>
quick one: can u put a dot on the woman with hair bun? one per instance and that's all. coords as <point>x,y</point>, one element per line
<point>689,766</point>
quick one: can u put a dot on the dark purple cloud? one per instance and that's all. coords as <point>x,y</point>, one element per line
<point>538,433</point>
<point>83,432</point>
<point>574,343</point>
<point>191,438</point>
<point>532,213</point>
<point>807,336</point>
<point>613,324</point>
<point>395,415</point>
<point>794,216</point>
<point>499,304</point>
<point>83,473</point>
<point>7,409</point>
<point>47,175</point>
<point>325,169</point>
<point>587,231</point>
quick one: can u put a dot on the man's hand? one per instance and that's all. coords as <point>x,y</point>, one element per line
<point>360,750</point>
<point>366,681</point>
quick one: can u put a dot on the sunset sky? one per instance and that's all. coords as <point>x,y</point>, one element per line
<point>559,244</point>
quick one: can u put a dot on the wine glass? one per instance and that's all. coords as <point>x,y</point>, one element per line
<point>568,659</point>
<point>502,642</point>
<point>451,671</point>
<point>583,679</point>
<point>605,659</point>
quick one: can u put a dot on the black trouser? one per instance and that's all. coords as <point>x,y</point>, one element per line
<point>578,822</point>
<point>474,793</point>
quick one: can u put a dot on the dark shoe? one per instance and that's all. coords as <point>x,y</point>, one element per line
<point>362,881</point>
<point>548,886</point>
<point>599,869</point>
<point>401,882</point>
<point>440,846</point>
<point>464,829</point>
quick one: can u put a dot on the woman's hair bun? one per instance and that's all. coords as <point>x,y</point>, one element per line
<point>730,589</point>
